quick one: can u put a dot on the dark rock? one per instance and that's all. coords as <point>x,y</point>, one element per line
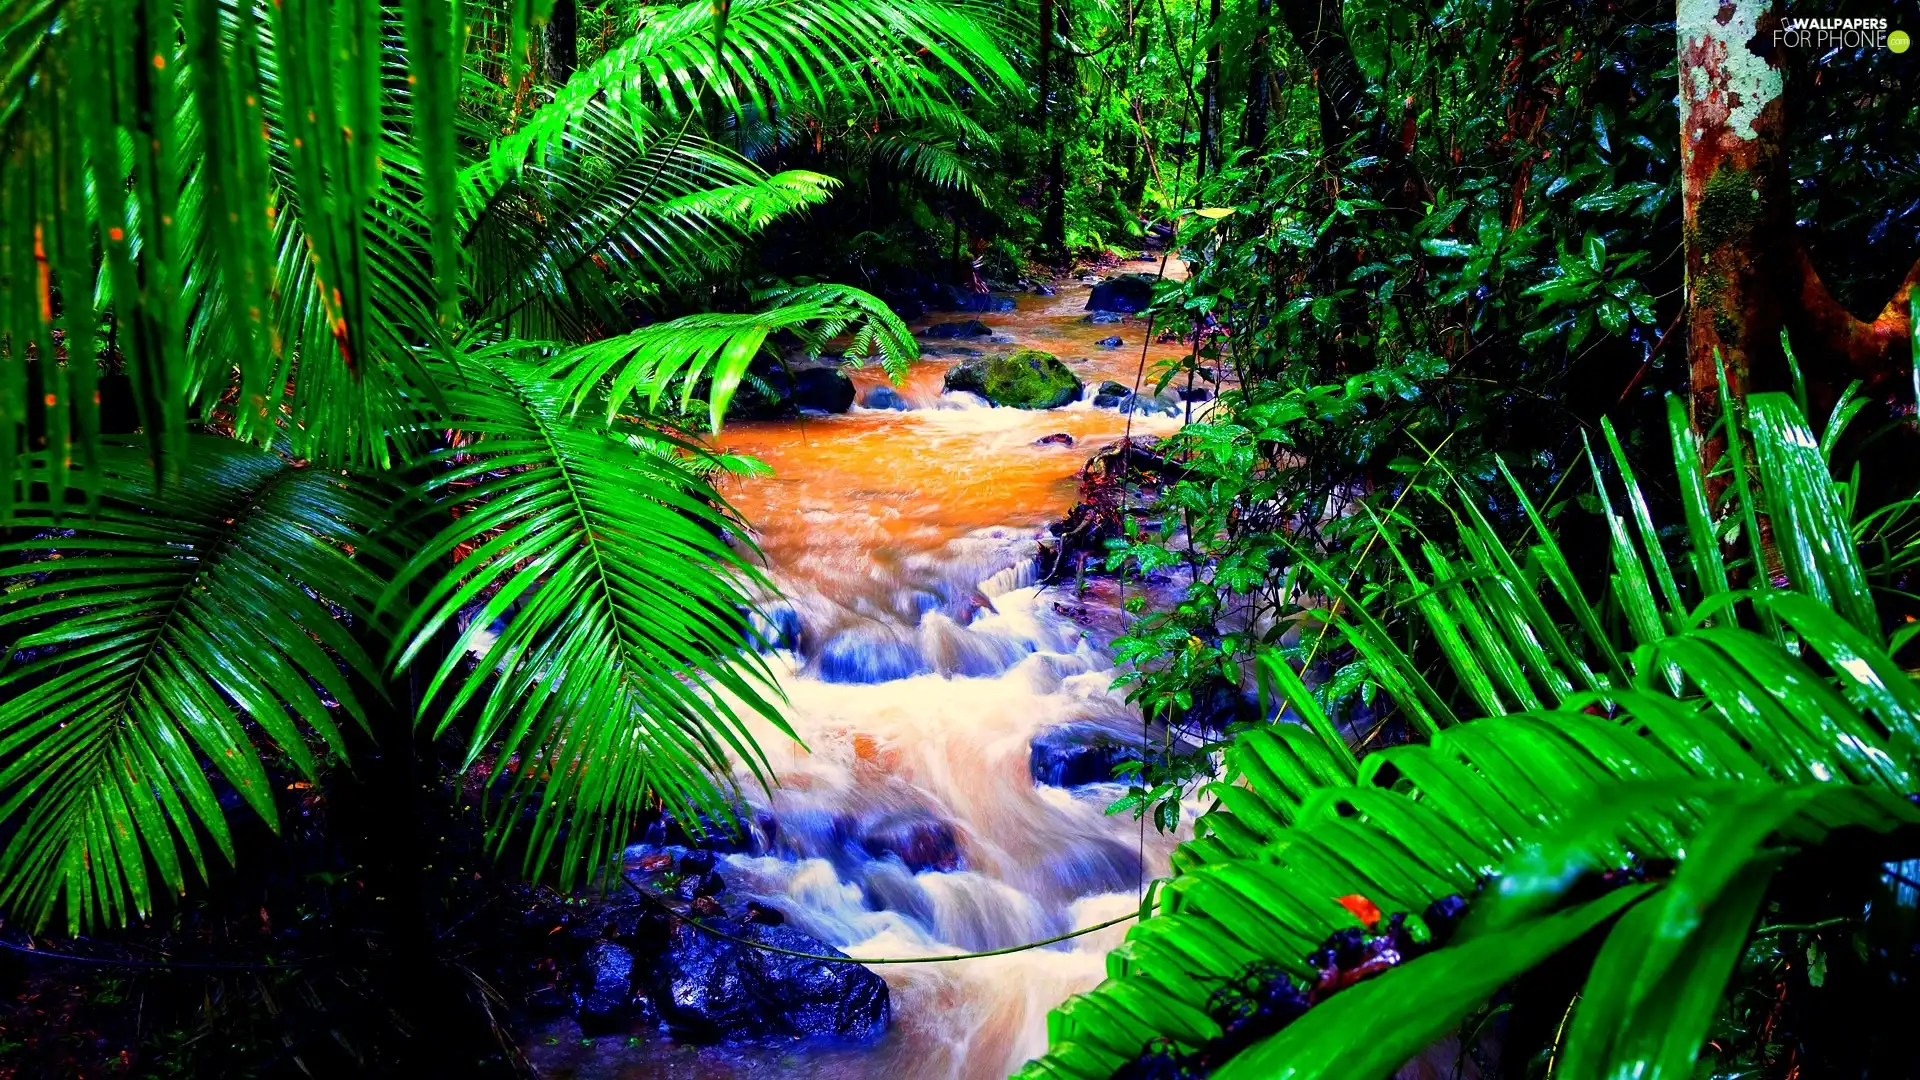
<point>775,627</point>
<point>765,916</point>
<point>964,300</point>
<point>773,392</point>
<point>884,397</point>
<point>1043,290</point>
<point>1058,438</point>
<point>1027,379</point>
<point>606,987</point>
<point>708,834</point>
<point>696,862</point>
<point>706,907</point>
<point>823,389</point>
<point>709,989</point>
<point>1113,342</point>
<point>1102,318</point>
<point>699,885</point>
<point>908,309</point>
<point>1198,393</point>
<point>1079,753</point>
<point>1143,404</point>
<point>1126,293</point>
<point>917,839</point>
<point>1217,705</point>
<point>1113,479</point>
<point>948,331</point>
<point>856,658</point>
<point>889,886</point>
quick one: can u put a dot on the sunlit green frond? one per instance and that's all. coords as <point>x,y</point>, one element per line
<point>710,354</point>
<point>598,608</point>
<point>940,166</point>
<point>1727,738</point>
<point>152,648</point>
<point>776,55</point>
<point>550,232</point>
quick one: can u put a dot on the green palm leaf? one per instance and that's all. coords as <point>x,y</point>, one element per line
<point>1724,750</point>
<point>160,643</point>
<point>598,614</point>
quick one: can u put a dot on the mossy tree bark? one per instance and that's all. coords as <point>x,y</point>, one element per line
<point>1734,198</point>
<point>1748,276</point>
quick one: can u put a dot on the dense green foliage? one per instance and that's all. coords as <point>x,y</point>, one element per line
<point>1438,270</point>
<point>379,310</point>
<point>356,359</point>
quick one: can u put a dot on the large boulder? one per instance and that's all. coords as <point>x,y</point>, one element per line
<point>823,390</point>
<point>954,298</point>
<point>713,990</point>
<point>775,392</point>
<point>605,984</point>
<point>1126,293</point>
<point>1027,379</point>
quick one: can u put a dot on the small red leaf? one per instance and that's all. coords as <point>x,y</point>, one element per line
<point>1362,909</point>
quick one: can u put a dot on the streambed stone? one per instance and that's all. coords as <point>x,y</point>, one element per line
<point>1027,379</point>
<point>1125,293</point>
<point>712,990</point>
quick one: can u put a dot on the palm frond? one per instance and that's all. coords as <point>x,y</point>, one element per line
<point>615,204</point>
<point>1716,741</point>
<point>712,352</point>
<point>777,55</point>
<point>599,614</point>
<point>152,647</point>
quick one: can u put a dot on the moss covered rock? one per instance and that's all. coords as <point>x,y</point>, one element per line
<point>1028,379</point>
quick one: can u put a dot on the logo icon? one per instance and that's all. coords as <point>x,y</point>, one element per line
<point>1898,41</point>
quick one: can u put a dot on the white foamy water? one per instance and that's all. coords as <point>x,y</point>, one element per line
<point>921,658</point>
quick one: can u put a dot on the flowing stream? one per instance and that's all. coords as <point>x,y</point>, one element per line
<point>928,659</point>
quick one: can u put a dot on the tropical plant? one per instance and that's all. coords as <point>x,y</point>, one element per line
<point>1631,772</point>
<point>333,406</point>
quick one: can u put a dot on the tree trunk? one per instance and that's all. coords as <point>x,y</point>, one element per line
<point>1210,97</point>
<point>1734,201</point>
<point>1255,134</point>
<point>1053,229</point>
<point>1321,36</point>
<point>563,42</point>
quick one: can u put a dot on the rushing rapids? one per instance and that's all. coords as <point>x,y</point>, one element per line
<point>921,659</point>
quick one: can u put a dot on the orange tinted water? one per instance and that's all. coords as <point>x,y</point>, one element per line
<point>909,537</point>
<point>868,486</point>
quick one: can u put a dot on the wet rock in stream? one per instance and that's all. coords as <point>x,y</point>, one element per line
<point>951,331</point>
<point>628,965</point>
<point>775,392</point>
<point>1125,293</point>
<point>1027,379</point>
<point>884,397</point>
<point>712,990</point>
<point>607,1000</point>
<point>1076,754</point>
<point>917,839</point>
<point>1129,465</point>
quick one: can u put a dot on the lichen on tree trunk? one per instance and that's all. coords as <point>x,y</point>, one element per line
<point>1734,198</point>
